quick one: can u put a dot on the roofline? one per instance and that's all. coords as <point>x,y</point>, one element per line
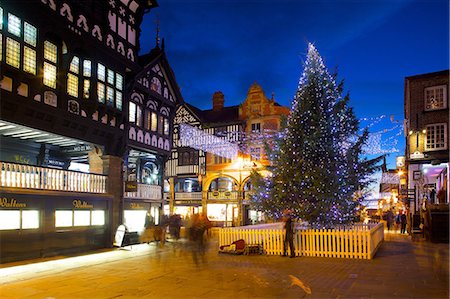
<point>426,75</point>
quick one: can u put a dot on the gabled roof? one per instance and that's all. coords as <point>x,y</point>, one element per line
<point>211,118</point>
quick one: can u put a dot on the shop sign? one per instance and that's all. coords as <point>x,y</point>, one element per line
<point>78,204</point>
<point>131,186</point>
<point>136,206</point>
<point>21,159</point>
<point>11,203</point>
<point>417,155</point>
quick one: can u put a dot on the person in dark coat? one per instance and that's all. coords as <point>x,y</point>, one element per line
<point>289,237</point>
<point>403,221</point>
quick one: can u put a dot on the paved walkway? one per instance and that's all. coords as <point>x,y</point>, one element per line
<point>401,269</point>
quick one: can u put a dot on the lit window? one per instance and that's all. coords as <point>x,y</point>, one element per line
<point>119,100</point>
<point>148,120</point>
<point>109,95</point>
<point>30,219</point>
<point>63,218</point>
<point>14,25</point>
<point>119,81</point>
<point>72,85</point>
<point>132,113</point>
<point>87,68</point>
<point>138,116</point>
<point>110,77</point>
<point>49,75</point>
<point>82,218</point>
<point>9,219</point>
<point>98,217</point>
<point>1,18</point>
<point>86,86</point>
<point>30,34</point>
<point>436,97</point>
<point>12,52</point>
<point>154,122</point>
<point>50,51</point>
<point>436,137</point>
<point>29,60</point>
<point>74,65</point>
<point>256,127</point>
<point>1,46</point>
<point>161,124</point>
<point>101,72</point>
<point>101,92</point>
<point>166,126</point>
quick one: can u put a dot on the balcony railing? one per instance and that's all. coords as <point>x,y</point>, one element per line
<point>219,195</point>
<point>188,195</point>
<point>34,177</point>
<point>145,192</point>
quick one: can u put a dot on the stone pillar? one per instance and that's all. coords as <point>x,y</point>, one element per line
<point>112,166</point>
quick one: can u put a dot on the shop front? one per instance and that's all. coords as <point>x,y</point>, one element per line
<point>35,225</point>
<point>135,213</point>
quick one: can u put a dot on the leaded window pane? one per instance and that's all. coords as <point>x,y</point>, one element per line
<point>119,100</point>
<point>132,113</point>
<point>12,52</point>
<point>29,60</point>
<point>110,77</point>
<point>154,122</point>
<point>75,65</point>
<point>87,68</point>
<point>49,75</point>
<point>119,82</point>
<point>86,86</point>
<point>50,51</point>
<point>30,34</point>
<point>109,95</point>
<point>101,92</point>
<point>72,85</point>
<point>101,72</point>
<point>1,18</point>
<point>14,25</point>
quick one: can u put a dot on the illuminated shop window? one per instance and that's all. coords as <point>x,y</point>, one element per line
<point>72,85</point>
<point>12,52</point>
<point>9,219</point>
<point>63,218</point>
<point>30,34</point>
<point>49,75</point>
<point>29,60</point>
<point>14,25</point>
<point>98,217</point>
<point>81,218</point>
<point>30,219</point>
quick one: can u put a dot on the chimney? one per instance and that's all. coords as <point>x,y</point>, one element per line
<point>218,100</point>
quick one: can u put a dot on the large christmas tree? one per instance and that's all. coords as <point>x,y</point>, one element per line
<point>317,164</point>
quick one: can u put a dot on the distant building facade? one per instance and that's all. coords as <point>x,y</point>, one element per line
<point>427,142</point>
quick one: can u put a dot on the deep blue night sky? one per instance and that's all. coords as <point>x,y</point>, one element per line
<point>228,45</point>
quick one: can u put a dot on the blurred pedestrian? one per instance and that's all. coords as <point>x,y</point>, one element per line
<point>389,219</point>
<point>175,226</point>
<point>403,221</point>
<point>196,230</point>
<point>289,234</point>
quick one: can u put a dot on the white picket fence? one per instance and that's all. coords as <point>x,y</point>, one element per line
<point>359,241</point>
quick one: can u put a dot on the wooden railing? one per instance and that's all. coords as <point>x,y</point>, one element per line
<point>34,177</point>
<point>145,192</point>
<point>360,242</point>
<point>188,195</point>
<point>223,195</point>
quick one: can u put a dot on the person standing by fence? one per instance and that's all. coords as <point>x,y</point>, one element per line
<point>289,236</point>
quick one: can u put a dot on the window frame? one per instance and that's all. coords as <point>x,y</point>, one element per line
<point>428,106</point>
<point>431,129</point>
